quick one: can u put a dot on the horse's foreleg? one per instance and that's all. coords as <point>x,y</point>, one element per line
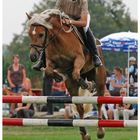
<point>49,67</point>
<point>100,130</point>
<point>51,72</point>
<point>73,89</point>
<point>78,65</point>
<point>100,82</point>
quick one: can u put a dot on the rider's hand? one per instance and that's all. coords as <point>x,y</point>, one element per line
<point>66,21</point>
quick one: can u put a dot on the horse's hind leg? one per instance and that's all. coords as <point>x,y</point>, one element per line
<point>84,133</point>
<point>83,130</point>
<point>73,89</point>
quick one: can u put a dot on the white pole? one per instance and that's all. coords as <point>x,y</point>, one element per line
<point>128,70</point>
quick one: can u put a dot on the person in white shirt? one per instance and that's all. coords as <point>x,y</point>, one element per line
<point>124,110</point>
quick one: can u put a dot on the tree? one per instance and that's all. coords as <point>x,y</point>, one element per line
<point>108,16</point>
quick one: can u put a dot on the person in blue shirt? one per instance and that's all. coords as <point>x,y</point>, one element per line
<point>117,82</point>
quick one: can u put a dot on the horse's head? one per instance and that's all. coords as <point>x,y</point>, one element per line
<point>39,24</point>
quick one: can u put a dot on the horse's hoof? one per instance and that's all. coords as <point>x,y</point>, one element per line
<point>75,75</point>
<point>85,137</point>
<point>100,132</point>
<point>83,84</point>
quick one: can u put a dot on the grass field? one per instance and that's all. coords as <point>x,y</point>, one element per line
<point>64,133</point>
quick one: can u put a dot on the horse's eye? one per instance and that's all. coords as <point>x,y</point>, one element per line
<point>41,35</point>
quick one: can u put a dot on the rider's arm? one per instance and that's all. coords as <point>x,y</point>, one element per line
<point>80,23</point>
<point>84,15</point>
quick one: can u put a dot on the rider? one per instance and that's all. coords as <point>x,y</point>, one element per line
<point>78,11</point>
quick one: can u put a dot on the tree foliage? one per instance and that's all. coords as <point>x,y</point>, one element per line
<point>107,16</point>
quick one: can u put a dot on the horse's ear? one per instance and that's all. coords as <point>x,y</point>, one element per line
<point>29,17</point>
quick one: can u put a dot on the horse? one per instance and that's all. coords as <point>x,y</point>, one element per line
<point>65,57</point>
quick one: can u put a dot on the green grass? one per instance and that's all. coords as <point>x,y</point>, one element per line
<point>64,133</point>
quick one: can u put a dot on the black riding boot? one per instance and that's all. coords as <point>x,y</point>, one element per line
<point>92,48</point>
<point>41,62</point>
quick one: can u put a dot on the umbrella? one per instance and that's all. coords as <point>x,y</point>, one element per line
<point>122,41</point>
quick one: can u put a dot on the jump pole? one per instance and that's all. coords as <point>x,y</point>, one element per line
<point>69,122</point>
<point>74,99</point>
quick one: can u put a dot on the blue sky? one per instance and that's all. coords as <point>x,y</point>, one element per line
<point>14,15</point>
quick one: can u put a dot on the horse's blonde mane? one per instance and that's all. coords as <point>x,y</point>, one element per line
<point>41,18</point>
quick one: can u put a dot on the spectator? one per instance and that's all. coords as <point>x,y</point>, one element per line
<point>117,82</point>
<point>16,75</point>
<point>25,110</point>
<point>125,110</point>
<point>133,69</point>
<point>27,86</point>
<point>133,74</point>
<point>59,88</point>
<point>107,109</point>
<point>68,114</point>
<point>108,76</point>
<point>135,107</point>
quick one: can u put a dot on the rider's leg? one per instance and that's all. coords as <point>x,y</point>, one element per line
<point>89,41</point>
<point>92,47</point>
<point>41,61</point>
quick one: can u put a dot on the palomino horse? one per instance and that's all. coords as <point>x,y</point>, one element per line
<point>65,55</point>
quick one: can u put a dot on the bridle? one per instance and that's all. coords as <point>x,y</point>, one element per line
<point>46,42</point>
